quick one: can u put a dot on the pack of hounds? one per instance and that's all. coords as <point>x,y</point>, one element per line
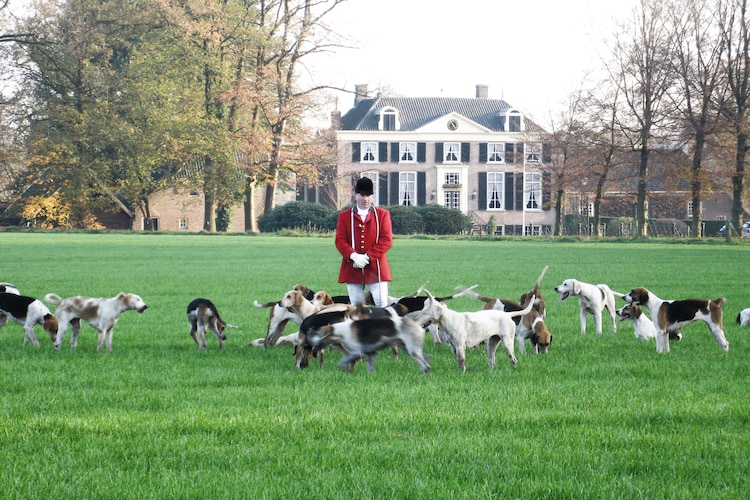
<point>359,331</point>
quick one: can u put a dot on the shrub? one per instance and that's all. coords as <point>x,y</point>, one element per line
<point>406,220</point>
<point>297,214</point>
<point>441,220</point>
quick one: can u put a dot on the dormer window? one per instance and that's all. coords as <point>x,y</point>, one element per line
<point>512,121</point>
<point>389,119</point>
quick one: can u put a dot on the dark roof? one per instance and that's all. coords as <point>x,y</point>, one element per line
<point>415,112</point>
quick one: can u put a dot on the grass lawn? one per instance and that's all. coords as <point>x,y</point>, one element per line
<point>597,417</point>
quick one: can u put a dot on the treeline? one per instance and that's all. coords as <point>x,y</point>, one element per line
<point>108,102</point>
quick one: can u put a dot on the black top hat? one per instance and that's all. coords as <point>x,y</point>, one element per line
<point>364,186</point>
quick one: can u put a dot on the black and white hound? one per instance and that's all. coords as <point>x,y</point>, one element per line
<point>29,312</point>
<point>671,315</point>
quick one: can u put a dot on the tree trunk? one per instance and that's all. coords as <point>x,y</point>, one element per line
<point>642,203</point>
<point>737,181</point>
<point>251,225</point>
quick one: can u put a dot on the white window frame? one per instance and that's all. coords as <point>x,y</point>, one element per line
<point>452,198</point>
<point>407,189</point>
<point>407,152</point>
<point>532,192</point>
<point>495,191</point>
<point>496,152</point>
<point>375,178</point>
<point>690,210</point>
<point>452,178</point>
<point>182,223</point>
<point>369,152</point>
<point>586,208</point>
<point>389,111</point>
<point>451,152</point>
<point>533,152</point>
<point>532,230</point>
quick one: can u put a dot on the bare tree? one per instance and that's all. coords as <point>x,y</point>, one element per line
<point>642,70</point>
<point>735,38</point>
<point>698,64</point>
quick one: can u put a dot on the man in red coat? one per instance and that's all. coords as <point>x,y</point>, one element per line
<point>363,236</point>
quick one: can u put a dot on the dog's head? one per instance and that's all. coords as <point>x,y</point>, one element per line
<point>304,291</point>
<point>637,296</point>
<point>567,288</point>
<point>316,337</point>
<point>629,311</point>
<point>50,326</point>
<point>322,298</point>
<point>431,312</point>
<point>8,288</point>
<point>292,300</point>
<point>541,337</point>
<point>132,301</point>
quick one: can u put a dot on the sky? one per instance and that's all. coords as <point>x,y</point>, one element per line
<point>531,53</point>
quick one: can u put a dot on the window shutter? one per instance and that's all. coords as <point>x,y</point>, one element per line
<point>421,152</point>
<point>519,190</point>
<point>546,192</point>
<point>382,152</point>
<point>438,152</point>
<point>382,188</point>
<point>421,188</point>
<point>509,191</point>
<point>483,152</point>
<point>547,152</point>
<point>465,152</point>
<point>393,200</point>
<point>395,152</point>
<point>356,153</point>
<point>509,147</point>
<point>482,191</point>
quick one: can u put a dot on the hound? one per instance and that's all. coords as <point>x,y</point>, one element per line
<point>593,299</point>
<point>8,288</point>
<point>671,315</point>
<point>469,329</point>
<point>99,313</point>
<point>203,315</point>
<point>530,327</point>
<point>364,337</point>
<point>743,318</point>
<point>644,327</point>
<point>28,312</point>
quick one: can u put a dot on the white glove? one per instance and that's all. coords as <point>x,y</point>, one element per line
<point>360,260</point>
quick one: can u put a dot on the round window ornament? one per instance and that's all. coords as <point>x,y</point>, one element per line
<point>452,124</point>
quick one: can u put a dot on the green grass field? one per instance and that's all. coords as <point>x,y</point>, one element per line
<point>597,417</point>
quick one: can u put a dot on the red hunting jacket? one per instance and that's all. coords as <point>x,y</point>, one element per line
<point>373,237</point>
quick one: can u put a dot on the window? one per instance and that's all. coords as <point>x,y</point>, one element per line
<point>369,152</point>
<point>374,177</point>
<point>495,182</point>
<point>453,178</point>
<point>690,210</point>
<point>183,223</point>
<point>496,153</point>
<point>453,199</point>
<point>533,152</point>
<point>587,208</point>
<point>389,119</point>
<point>451,152</point>
<point>407,189</point>
<point>532,230</point>
<point>532,191</point>
<point>407,152</point>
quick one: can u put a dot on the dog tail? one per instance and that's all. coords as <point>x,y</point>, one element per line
<point>720,301</point>
<point>618,294</point>
<point>263,306</point>
<point>523,312</point>
<point>540,278</point>
<point>52,298</point>
<point>420,289</point>
<point>256,343</point>
<point>469,292</point>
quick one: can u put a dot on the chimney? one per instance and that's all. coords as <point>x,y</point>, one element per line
<point>360,93</point>
<point>335,120</point>
<point>482,91</point>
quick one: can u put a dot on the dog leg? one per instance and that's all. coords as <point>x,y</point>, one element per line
<point>662,342</point>
<point>521,344</point>
<point>492,344</point>
<point>598,321</point>
<point>347,362</point>
<point>30,337</point>
<point>370,362</point>
<point>100,340</point>
<point>509,344</point>
<point>583,321</point>
<point>75,326</point>
<point>718,334</point>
